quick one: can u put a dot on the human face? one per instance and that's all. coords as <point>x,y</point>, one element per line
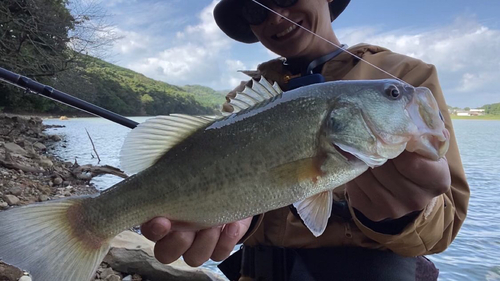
<point>255,14</point>
<point>286,39</point>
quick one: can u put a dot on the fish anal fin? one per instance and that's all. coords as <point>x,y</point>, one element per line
<point>315,211</point>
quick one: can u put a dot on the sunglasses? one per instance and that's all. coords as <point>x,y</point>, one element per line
<point>255,14</point>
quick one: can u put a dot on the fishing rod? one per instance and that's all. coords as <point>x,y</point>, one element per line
<point>33,87</point>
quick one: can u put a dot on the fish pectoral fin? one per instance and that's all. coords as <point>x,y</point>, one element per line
<point>315,211</point>
<point>300,170</point>
<point>146,143</point>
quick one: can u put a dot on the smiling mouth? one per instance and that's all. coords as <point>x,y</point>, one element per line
<point>287,31</point>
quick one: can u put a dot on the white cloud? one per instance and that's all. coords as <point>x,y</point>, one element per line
<point>177,65</point>
<point>231,76</point>
<point>131,42</point>
<point>199,56</point>
<point>477,81</point>
<point>464,52</point>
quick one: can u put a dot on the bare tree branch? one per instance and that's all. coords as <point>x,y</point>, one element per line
<point>93,146</point>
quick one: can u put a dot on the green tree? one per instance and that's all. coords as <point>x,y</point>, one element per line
<point>146,99</point>
<point>493,109</point>
<point>34,36</point>
<point>40,39</point>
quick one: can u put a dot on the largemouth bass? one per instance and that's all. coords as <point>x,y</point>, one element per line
<point>277,149</point>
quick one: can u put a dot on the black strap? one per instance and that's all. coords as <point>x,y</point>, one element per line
<point>265,263</point>
<point>315,66</point>
<point>321,60</point>
<point>231,266</point>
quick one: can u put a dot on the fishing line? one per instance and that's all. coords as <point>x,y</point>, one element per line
<point>330,42</point>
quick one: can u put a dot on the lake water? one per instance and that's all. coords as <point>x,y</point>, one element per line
<point>475,253</point>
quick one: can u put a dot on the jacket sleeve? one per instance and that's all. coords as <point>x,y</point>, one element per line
<point>433,230</point>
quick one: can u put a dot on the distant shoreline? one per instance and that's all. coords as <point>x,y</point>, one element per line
<point>45,116</point>
<point>483,117</point>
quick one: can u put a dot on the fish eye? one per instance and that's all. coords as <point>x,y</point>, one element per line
<point>392,92</point>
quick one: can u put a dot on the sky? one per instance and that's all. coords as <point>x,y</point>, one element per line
<point>178,42</point>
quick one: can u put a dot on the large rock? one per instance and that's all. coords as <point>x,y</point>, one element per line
<point>55,137</point>
<point>16,190</point>
<point>16,149</point>
<point>4,206</point>
<point>40,146</point>
<point>106,272</point>
<point>57,181</point>
<point>46,162</point>
<point>11,199</point>
<point>113,278</point>
<point>132,253</point>
<point>9,273</point>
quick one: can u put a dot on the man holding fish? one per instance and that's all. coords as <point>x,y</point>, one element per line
<point>351,174</point>
<point>408,207</point>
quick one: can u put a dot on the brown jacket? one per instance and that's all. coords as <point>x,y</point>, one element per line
<point>435,227</point>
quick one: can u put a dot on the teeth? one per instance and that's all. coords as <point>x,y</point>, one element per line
<point>288,30</point>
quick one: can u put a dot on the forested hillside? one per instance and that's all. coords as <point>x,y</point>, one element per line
<point>127,92</point>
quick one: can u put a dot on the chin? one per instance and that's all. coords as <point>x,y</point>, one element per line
<point>291,53</point>
<point>288,49</point>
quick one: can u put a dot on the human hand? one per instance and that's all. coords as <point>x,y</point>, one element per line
<point>401,186</point>
<point>196,247</point>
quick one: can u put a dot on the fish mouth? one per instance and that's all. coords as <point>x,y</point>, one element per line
<point>348,156</point>
<point>356,157</point>
<point>358,154</point>
<point>431,139</point>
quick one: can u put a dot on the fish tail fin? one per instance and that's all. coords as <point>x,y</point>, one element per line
<point>50,241</point>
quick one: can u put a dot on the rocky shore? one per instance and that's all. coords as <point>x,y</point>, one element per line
<point>29,173</point>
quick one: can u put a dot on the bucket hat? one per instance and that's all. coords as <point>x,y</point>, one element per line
<point>227,14</point>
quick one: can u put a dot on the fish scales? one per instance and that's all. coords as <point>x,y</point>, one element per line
<point>221,173</point>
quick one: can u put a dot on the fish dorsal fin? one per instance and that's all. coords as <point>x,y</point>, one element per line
<point>277,88</point>
<point>315,211</point>
<point>249,97</point>
<point>146,143</point>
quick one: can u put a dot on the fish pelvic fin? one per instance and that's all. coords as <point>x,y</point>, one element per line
<point>315,211</point>
<point>46,239</point>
